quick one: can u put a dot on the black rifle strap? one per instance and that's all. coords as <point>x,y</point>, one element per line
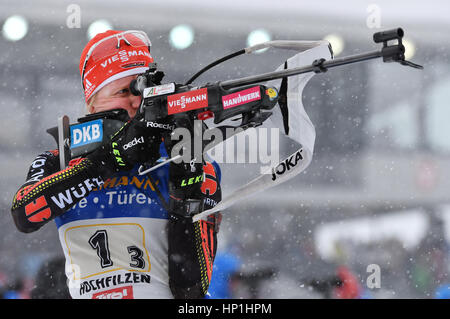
<point>158,192</point>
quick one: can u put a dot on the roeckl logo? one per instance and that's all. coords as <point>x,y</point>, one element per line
<point>159,125</point>
<point>134,142</point>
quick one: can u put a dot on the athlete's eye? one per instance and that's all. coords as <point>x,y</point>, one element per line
<point>123,91</point>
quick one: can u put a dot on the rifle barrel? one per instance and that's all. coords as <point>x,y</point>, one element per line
<point>299,70</point>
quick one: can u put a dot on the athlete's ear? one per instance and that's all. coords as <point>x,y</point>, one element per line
<point>90,104</point>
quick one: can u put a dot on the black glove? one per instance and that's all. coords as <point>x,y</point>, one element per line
<point>135,142</point>
<point>185,180</point>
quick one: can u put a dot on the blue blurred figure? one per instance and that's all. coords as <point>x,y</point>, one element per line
<point>11,294</point>
<point>443,292</point>
<point>225,266</point>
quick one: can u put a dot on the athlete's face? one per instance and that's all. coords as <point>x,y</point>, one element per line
<point>116,95</point>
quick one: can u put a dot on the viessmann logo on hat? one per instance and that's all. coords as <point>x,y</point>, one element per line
<point>125,56</point>
<point>122,64</point>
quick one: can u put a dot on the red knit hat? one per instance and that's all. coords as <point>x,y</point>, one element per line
<point>112,55</point>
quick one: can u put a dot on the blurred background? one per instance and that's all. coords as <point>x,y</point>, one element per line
<point>369,218</point>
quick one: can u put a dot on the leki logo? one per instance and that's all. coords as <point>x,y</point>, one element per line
<point>38,211</point>
<point>188,101</point>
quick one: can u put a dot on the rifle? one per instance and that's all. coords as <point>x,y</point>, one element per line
<point>178,105</point>
<point>172,102</point>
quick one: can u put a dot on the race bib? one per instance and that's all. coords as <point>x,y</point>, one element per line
<point>105,247</point>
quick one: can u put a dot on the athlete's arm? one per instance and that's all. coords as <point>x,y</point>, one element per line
<point>48,191</point>
<point>192,246</point>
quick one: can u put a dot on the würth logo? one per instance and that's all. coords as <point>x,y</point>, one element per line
<point>38,210</point>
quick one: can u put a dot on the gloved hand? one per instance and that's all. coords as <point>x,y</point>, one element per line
<point>185,180</point>
<point>185,195</point>
<point>135,142</point>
